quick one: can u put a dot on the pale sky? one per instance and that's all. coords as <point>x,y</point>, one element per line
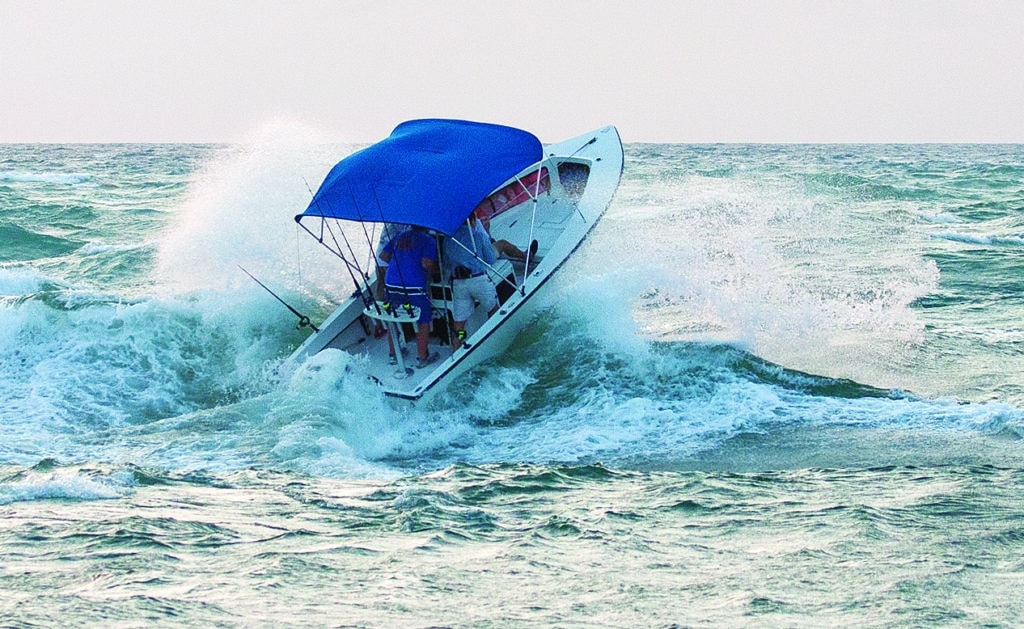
<point>662,71</point>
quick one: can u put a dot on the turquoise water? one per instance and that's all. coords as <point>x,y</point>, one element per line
<point>780,385</point>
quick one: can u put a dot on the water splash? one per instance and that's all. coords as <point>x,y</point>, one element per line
<point>754,261</point>
<point>239,211</point>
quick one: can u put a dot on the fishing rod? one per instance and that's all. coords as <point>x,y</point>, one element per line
<point>303,319</point>
<point>367,298</point>
<point>343,236</point>
<point>589,142</point>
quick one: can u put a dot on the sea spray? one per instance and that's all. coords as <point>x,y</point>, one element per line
<point>767,268</point>
<point>238,212</point>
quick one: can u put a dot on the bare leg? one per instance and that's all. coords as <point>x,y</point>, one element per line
<point>509,250</point>
<point>378,288</point>
<point>458,326</point>
<point>422,338</point>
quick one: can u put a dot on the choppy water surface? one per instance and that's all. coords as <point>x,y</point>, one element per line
<point>780,385</point>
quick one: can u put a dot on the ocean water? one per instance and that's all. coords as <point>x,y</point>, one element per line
<point>780,385</point>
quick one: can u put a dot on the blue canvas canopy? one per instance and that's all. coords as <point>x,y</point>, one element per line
<point>430,173</point>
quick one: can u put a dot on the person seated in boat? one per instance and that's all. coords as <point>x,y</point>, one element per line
<point>504,247</point>
<point>411,257</point>
<point>507,249</point>
<point>467,261</point>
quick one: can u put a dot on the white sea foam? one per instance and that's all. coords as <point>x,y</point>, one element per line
<point>96,248</point>
<point>494,393</point>
<point>19,281</point>
<point>111,367</point>
<point>617,423</point>
<point>58,178</point>
<point>331,419</point>
<point>976,239</point>
<point>102,366</point>
<point>942,218</point>
<point>61,486</point>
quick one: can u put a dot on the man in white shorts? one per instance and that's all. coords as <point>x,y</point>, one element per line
<point>467,261</point>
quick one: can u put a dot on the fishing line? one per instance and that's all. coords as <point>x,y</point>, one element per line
<point>348,245</point>
<point>371,258</point>
<point>369,242</point>
<point>298,260</point>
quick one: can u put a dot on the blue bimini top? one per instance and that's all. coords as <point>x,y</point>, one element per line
<point>430,173</point>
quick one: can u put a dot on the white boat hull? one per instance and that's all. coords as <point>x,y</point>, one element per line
<point>586,173</point>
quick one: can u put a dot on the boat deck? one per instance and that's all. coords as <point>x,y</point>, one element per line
<point>405,379</point>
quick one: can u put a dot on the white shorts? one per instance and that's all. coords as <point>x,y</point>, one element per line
<point>474,289</point>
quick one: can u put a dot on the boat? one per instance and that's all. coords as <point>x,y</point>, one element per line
<point>434,173</point>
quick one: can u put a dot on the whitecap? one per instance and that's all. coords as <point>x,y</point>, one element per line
<point>974,239</point>
<point>17,282</point>
<point>59,178</point>
<point>942,218</point>
<point>61,486</point>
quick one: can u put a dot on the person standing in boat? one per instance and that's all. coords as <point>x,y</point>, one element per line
<point>411,257</point>
<point>388,231</point>
<point>467,261</point>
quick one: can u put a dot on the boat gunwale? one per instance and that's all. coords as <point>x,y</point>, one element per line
<point>495,324</point>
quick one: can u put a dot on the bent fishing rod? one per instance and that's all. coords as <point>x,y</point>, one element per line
<point>303,319</point>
